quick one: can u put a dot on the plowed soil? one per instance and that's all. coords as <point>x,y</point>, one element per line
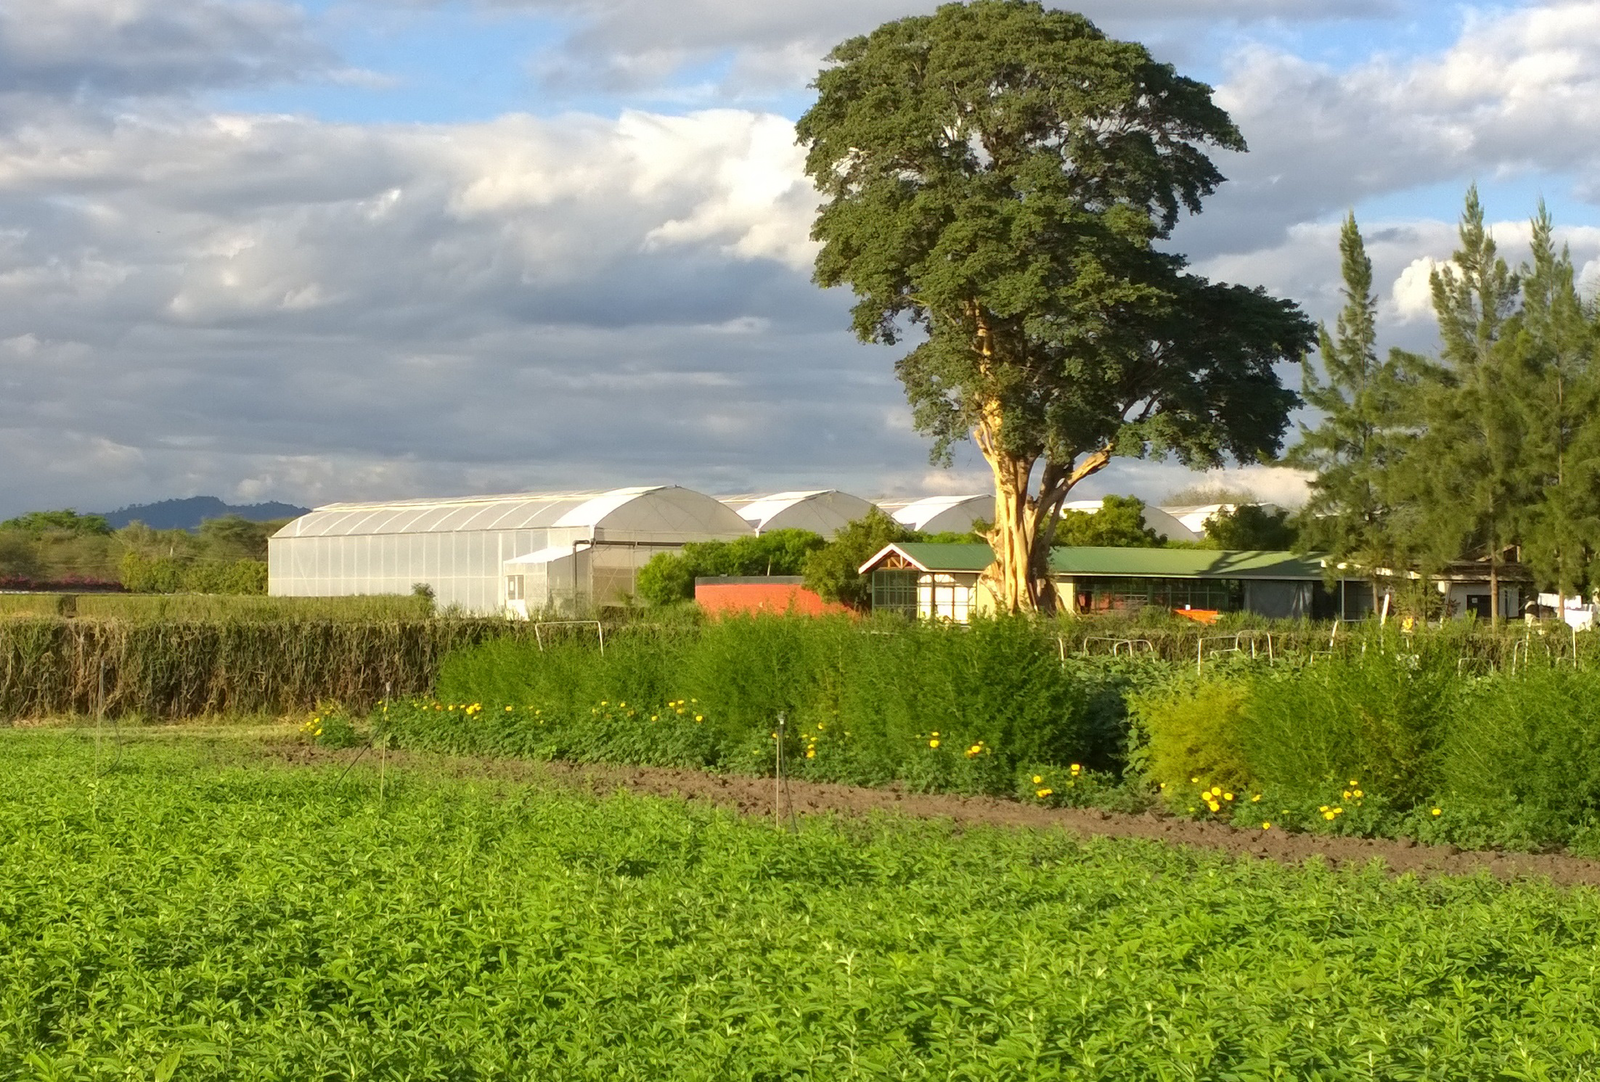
<point>761,797</point>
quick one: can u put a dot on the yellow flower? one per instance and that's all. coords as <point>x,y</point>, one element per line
<point>811,753</point>
<point>1266,825</point>
<point>1357,793</point>
<point>1323,808</point>
<point>819,725</point>
<point>1216,790</point>
<point>1227,796</point>
<point>508,710</point>
<point>1435,811</point>
<point>1213,805</point>
<point>934,733</point>
<point>1256,799</point>
<point>655,717</point>
<point>699,717</point>
<point>933,743</point>
<point>1327,815</point>
<point>1345,795</point>
<point>1076,769</point>
<point>1195,780</point>
<point>1353,783</point>
<point>1042,793</point>
<point>1038,779</point>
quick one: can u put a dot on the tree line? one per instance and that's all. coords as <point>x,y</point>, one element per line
<point>1487,452</point>
<point>67,550</point>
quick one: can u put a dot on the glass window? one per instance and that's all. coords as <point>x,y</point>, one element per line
<point>895,591</point>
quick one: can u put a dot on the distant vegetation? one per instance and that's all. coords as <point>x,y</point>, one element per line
<point>65,549</point>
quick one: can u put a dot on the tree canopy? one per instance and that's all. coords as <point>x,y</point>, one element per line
<point>996,176</point>
<point>669,576</point>
<point>1118,524</point>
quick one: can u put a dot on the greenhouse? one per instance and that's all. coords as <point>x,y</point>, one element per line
<point>825,511</point>
<point>520,553</point>
<point>939,514</point>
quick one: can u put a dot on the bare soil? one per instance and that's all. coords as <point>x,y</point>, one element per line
<point>756,797</point>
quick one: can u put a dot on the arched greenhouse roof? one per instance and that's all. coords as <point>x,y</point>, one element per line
<point>661,507</point>
<point>939,514</point>
<point>824,511</point>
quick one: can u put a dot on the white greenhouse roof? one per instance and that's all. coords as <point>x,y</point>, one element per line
<point>939,514</point>
<point>822,511</point>
<point>668,505</point>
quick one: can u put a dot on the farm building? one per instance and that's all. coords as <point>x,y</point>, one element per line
<point>939,514</point>
<point>824,511</point>
<point>491,554</point>
<point>941,581</point>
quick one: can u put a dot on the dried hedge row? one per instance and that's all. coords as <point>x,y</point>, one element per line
<point>177,669</point>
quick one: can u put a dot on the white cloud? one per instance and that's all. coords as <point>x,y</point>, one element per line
<point>1412,292</point>
<point>1517,94</point>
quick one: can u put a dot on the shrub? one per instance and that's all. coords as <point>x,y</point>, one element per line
<point>1377,718</point>
<point>1190,735</point>
<point>669,577</point>
<point>865,702</point>
<point>1527,748</point>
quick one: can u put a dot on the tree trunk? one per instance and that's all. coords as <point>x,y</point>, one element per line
<point>1013,535</point>
<point>1494,590</point>
<point>1024,524</point>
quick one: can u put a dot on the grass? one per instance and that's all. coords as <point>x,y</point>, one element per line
<point>189,910</point>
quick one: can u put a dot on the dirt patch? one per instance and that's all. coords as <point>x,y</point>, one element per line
<point>757,797</point>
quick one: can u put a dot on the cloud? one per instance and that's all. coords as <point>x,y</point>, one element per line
<point>631,44</point>
<point>272,306</point>
<point>1517,94</point>
<point>519,303</point>
<point>1412,292</point>
<point>62,48</point>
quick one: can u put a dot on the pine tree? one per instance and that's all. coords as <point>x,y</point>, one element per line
<point>1360,435</point>
<point>1551,354</point>
<point>1467,476</point>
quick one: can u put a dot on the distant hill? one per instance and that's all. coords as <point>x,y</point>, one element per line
<point>190,513</point>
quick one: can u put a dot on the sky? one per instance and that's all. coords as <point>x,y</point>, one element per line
<point>363,249</point>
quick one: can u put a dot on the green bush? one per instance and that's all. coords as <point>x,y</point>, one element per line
<point>1376,718</point>
<point>1190,735</point>
<point>669,577</point>
<point>177,574</point>
<point>1528,748</point>
<point>867,702</point>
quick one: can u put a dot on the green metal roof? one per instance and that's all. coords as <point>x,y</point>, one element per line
<point>1131,562</point>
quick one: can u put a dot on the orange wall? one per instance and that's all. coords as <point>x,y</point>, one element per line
<point>778,597</point>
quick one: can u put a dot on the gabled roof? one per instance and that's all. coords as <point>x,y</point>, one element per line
<point>930,556</point>
<point>1115,562</point>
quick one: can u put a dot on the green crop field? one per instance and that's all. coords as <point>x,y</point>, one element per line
<point>190,907</point>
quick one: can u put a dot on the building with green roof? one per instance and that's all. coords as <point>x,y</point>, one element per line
<point>934,580</point>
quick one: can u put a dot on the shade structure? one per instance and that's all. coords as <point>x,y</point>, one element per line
<point>460,546</point>
<point>822,511</point>
<point>939,514</point>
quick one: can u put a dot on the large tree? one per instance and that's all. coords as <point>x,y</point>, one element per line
<point>1362,429</point>
<point>1468,477</point>
<point>996,178</point>
<point>1553,379</point>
